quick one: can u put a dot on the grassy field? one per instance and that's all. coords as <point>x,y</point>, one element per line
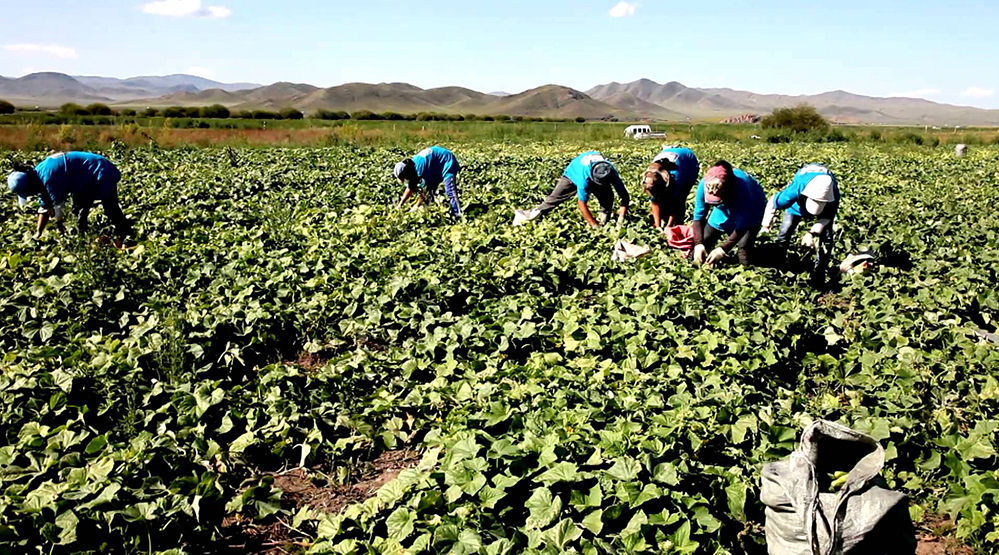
<point>286,362</point>
<point>31,133</point>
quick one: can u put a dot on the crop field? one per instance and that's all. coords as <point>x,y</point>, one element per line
<point>285,362</point>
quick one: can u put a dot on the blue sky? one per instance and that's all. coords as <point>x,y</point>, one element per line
<point>943,51</point>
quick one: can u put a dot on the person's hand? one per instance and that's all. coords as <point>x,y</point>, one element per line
<point>717,254</point>
<point>764,230</point>
<point>808,240</point>
<point>700,254</point>
<point>620,220</point>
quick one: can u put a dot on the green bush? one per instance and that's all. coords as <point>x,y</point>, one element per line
<point>331,115</point>
<point>243,114</point>
<point>72,109</point>
<point>6,107</point>
<point>174,112</point>
<point>291,113</point>
<point>364,115</point>
<point>217,111</point>
<point>580,119</point>
<point>128,112</point>
<point>98,109</point>
<point>150,113</point>
<point>799,119</point>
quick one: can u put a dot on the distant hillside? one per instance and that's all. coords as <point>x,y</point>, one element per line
<point>643,99</point>
<point>51,89</point>
<point>839,106</point>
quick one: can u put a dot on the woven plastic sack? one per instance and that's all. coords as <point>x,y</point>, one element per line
<point>863,517</point>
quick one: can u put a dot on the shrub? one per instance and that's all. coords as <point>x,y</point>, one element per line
<point>364,114</point>
<point>502,117</point>
<point>98,109</point>
<point>150,113</point>
<point>799,119</point>
<point>836,136</point>
<point>488,118</point>
<point>392,116</point>
<point>6,107</point>
<point>128,112</point>
<point>71,109</point>
<point>291,113</point>
<point>330,114</point>
<point>217,111</point>
<point>265,114</point>
<point>910,137</point>
<point>580,119</point>
<point>471,117</point>
<point>174,112</point>
<point>243,114</point>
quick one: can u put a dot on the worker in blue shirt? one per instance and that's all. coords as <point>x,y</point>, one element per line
<point>85,177</point>
<point>736,202</point>
<point>813,194</point>
<point>668,181</point>
<point>590,172</point>
<point>431,167</point>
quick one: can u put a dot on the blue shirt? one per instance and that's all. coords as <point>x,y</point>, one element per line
<point>743,210</point>
<point>578,171</point>
<point>790,198</point>
<point>435,164</point>
<point>687,166</point>
<point>76,174</point>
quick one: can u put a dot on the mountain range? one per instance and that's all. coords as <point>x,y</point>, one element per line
<point>638,100</point>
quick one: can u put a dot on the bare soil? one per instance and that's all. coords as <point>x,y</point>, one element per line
<point>302,487</point>
<point>936,537</point>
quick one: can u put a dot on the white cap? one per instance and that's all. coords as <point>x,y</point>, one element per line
<point>818,193</point>
<point>398,169</point>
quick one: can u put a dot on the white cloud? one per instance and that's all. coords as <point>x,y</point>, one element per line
<point>623,9</point>
<point>201,72</point>
<point>978,92</point>
<point>51,49</point>
<point>918,93</point>
<point>185,8</point>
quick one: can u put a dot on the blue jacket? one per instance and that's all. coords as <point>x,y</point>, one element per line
<point>77,174</point>
<point>790,198</point>
<point>435,164</point>
<point>744,209</point>
<point>688,168</point>
<point>578,171</point>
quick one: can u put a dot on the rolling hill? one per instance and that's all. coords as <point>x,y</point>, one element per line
<point>643,99</point>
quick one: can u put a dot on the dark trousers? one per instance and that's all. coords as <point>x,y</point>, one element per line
<point>745,243</point>
<point>565,190</point>
<point>112,209</point>
<point>823,251</point>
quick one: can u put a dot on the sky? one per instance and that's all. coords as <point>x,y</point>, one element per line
<point>941,51</point>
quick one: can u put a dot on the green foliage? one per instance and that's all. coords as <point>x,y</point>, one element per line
<point>580,119</point>
<point>799,119</point>
<point>331,114</point>
<point>6,107</point>
<point>150,112</point>
<point>216,111</point>
<point>98,109</point>
<point>71,109</point>
<point>562,401</point>
<point>291,113</point>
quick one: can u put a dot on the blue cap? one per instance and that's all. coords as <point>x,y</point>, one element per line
<point>20,185</point>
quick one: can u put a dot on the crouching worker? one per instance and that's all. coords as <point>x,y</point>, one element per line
<point>87,178</point>
<point>588,173</point>
<point>813,195</point>
<point>668,181</point>
<point>736,202</point>
<point>431,167</point>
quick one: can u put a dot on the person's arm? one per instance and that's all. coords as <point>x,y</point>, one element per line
<point>585,210</point>
<point>43,220</point>
<point>769,213</point>
<point>622,191</point>
<point>656,214</point>
<point>406,195</point>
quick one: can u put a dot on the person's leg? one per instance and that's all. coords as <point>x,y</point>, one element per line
<point>746,246</point>
<point>564,191</point>
<point>787,227</point>
<point>112,209</point>
<point>81,208</point>
<point>605,197</point>
<point>711,236</point>
<point>451,189</point>
<point>823,254</point>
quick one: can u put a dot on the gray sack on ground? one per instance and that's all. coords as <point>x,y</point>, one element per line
<point>863,517</point>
